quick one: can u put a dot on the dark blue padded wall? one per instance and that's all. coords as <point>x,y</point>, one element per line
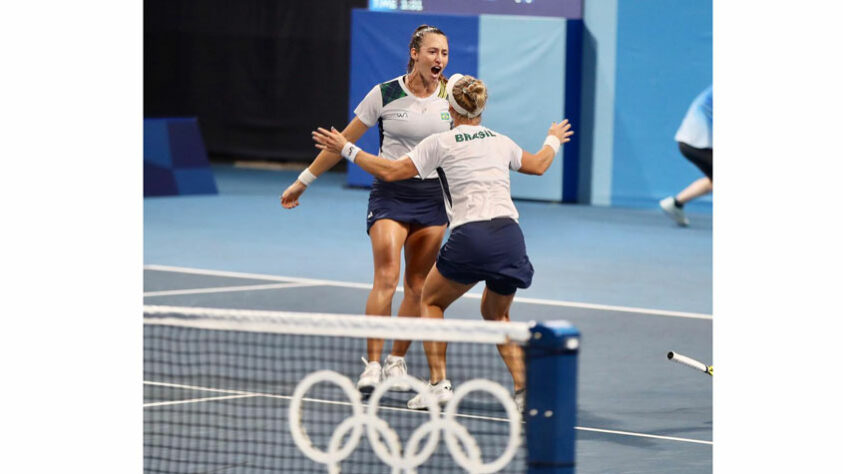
<point>380,51</point>
<point>174,158</point>
<point>573,107</point>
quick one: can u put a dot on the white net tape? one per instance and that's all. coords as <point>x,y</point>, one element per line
<point>417,329</point>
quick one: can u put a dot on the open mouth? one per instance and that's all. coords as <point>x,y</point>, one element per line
<point>436,70</point>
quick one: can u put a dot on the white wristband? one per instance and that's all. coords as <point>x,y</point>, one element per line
<point>349,151</point>
<point>306,177</point>
<point>553,142</point>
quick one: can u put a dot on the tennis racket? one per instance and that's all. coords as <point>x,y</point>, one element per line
<point>693,363</point>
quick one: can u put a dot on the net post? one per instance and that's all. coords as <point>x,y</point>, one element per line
<point>551,408</point>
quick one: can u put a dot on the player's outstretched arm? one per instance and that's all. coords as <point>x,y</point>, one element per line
<point>537,164</point>
<point>387,170</point>
<point>324,161</point>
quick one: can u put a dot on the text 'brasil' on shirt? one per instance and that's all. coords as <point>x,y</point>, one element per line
<point>464,137</point>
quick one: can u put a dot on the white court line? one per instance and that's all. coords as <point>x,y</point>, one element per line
<point>642,435</point>
<point>194,400</point>
<point>603,307</point>
<point>241,394</point>
<point>367,286</point>
<point>225,289</point>
<point>257,276</point>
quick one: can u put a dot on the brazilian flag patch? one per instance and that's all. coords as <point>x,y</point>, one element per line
<point>445,116</point>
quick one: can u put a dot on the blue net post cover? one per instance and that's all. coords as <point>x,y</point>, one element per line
<point>551,408</point>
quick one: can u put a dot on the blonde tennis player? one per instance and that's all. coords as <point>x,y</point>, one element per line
<point>486,243</point>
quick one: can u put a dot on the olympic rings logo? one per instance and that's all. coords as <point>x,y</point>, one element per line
<point>391,453</point>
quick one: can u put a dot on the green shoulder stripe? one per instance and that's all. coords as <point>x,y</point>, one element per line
<point>443,92</point>
<point>391,91</point>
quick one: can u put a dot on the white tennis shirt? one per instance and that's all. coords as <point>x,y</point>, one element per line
<point>403,119</point>
<point>473,163</point>
<point>696,128</point>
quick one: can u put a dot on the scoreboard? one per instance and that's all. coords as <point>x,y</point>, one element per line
<point>554,8</point>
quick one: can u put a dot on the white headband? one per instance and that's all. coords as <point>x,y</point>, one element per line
<point>450,89</point>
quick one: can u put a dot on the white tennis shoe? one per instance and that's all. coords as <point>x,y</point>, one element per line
<point>442,393</point>
<point>395,366</point>
<point>520,399</point>
<point>669,207</point>
<point>370,377</point>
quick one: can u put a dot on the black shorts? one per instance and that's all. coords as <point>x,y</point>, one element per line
<point>412,201</point>
<point>700,157</point>
<point>492,251</point>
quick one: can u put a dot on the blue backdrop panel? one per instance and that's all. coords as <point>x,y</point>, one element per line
<point>664,59</point>
<point>186,145</point>
<point>156,144</point>
<point>175,160</point>
<point>522,60</point>
<point>158,180</point>
<point>379,52</point>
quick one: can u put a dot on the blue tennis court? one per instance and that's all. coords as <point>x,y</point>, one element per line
<point>635,285</point>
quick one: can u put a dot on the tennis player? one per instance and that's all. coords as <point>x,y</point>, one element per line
<point>696,145</point>
<point>486,243</point>
<point>408,213</point>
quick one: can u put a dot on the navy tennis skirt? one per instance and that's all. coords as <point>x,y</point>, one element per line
<point>411,201</point>
<point>491,251</point>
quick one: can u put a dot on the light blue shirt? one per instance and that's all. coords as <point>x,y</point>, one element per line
<point>696,128</point>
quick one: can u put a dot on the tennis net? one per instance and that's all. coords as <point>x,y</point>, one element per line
<point>259,391</point>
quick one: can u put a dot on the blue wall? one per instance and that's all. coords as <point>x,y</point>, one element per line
<point>640,62</point>
<point>643,63</point>
<point>524,60</point>
<point>597,120</point>
<point>663,60</point>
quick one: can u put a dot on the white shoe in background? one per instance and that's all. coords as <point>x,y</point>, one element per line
<point>669,207</point>
<point>441,393</point>
<point>393,367</point>
<point>370,377</point>
<point>520,399</point>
